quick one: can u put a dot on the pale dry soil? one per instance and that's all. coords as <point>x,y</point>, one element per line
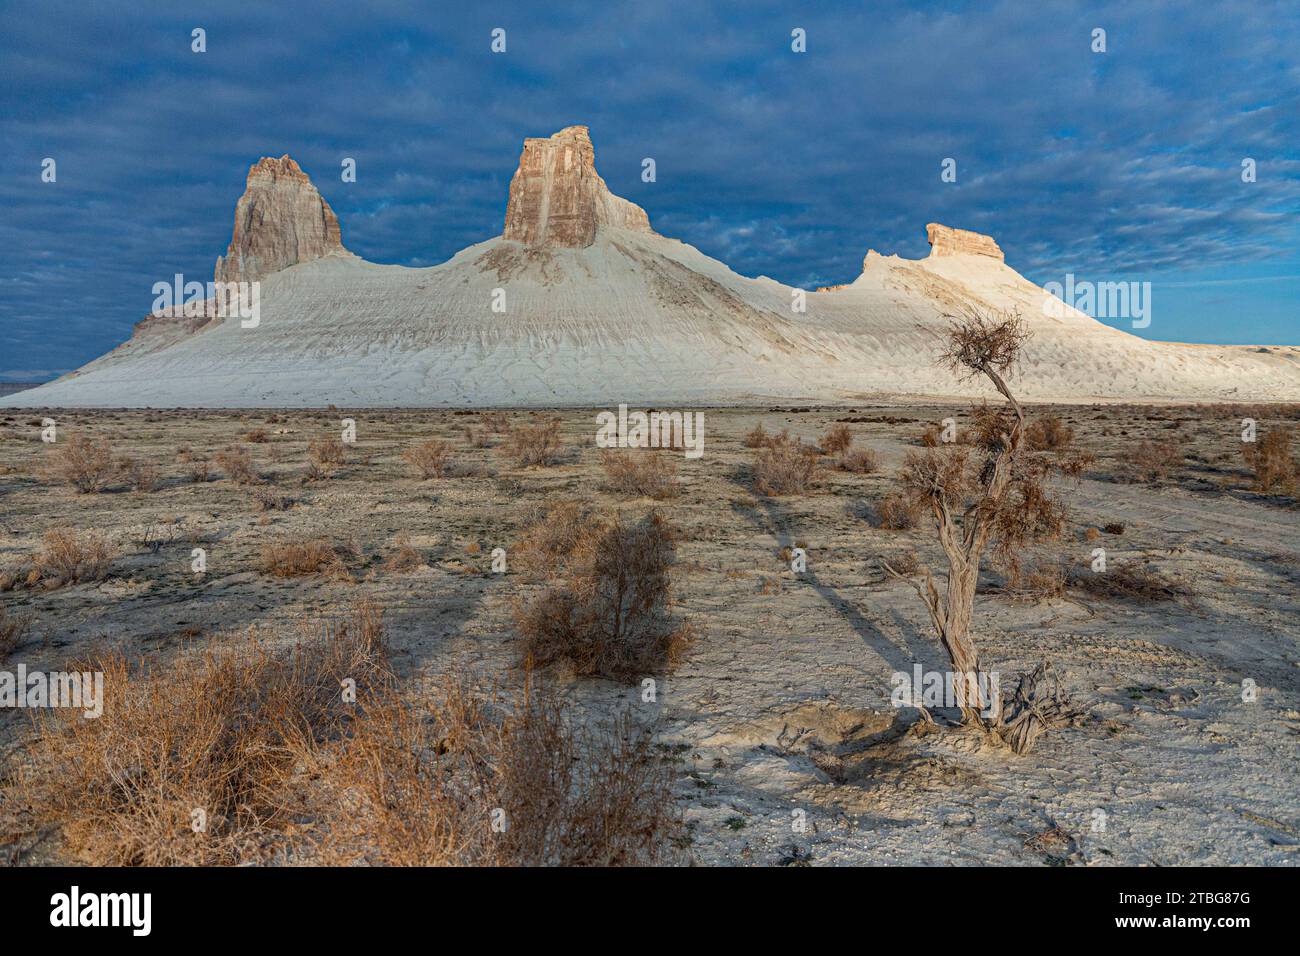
<point>780,712</point>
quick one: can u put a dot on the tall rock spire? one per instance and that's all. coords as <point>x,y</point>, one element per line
<point>280,221</point>
<point>558,199</point>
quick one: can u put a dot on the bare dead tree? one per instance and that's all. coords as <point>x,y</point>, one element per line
<point>989,493</point>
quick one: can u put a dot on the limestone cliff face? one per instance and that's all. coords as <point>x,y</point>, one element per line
<point>558,199</point>
<point>280,221</point>
<point>960,242</point>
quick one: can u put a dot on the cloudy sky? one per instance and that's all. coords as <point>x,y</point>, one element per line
<point>1119,165</point>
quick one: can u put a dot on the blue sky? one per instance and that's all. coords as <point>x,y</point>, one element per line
<point>1122,165</point>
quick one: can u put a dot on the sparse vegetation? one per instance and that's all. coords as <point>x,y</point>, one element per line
<point>1272,461</point>
<point>13,627</point>
<point>429,458</point>
<point>785,467</point>
<point>237,463</point>
<point>634,471</point>
<point>837,439</point>
<point>858,461</point>
<point>86,464</point>
<point>896,513</point>
<point>998,501</point>
<point>606,611</point>
<point>1048,433</point>
<point>1129,581</point>
<point>536,445</point>
<point>1152,461</point>
<point>288,559</point>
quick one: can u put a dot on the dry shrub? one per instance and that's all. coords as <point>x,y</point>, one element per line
<point>69,557</point>
<point>1042,582</point>
<point>1048,433</point>
<point>477,438</point>
<point>785,467</point>
<point>425,777</point>
<point>237,463</point>
<point>404,558</point>
<point>288,559</point>
<point>197,470</point>
<point>1271,460</point>
<point>632,472</point>
<point>327,451</point>
<point>496,422</point>
<point>13,627</point>
<point>429,458</point>
<point>550,538</point>
<point>221,732</point>
<point>757,437</point>
<point>607,612</point>
<point>858,461</point>
<point>1132,581</point>
<point>837,439</point>
<point>272,501</point>
<point>140,475</point>
<point>1152,461</point>
<point>84,463</point>
<point>931,437</point>
<point>534,445</point>
<point>896,513</point>
<point>257,436</point>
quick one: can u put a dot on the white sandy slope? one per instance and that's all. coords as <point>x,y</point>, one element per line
<point>637,318</point>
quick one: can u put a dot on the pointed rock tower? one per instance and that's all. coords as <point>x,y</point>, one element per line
<point>280,221</point>
<point>558,199</point>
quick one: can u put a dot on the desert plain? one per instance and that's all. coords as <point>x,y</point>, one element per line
<point>774,728</point>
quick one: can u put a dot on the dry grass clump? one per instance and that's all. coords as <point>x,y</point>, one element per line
<point>1042,582</point>
<point>429,458</point>
<point>1048,433</point>
<point>327,451</point>
<point>193,762</point>
<point>606,612</point>
<point>837,439</point>
<point>404,558</point>
<point>86,464</point>
<point>139,475</point>
<point>237,463</point>
<point>461,777</point>
<point>897,513</point>
<point>1152,461</point>
<point>550,539</point>
<point>632,472</point>
<point>13,627</point>
<point>757,437</point>
<point>785,467</point>
<point>858,461</point>
<point>536,445</point>
<point>66,557</point>
<point>1129,581</point>
<point>257,436</point>
<point>267,500</point>
<point>317,754</point>
<point>289,559</point>
<point>196,468</point>
<point>1271,460</point>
